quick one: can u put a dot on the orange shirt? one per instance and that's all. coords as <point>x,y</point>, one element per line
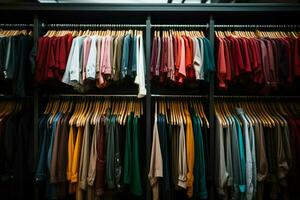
<point>71,143</point>
<point>76,156</point>
<point>190,154</point>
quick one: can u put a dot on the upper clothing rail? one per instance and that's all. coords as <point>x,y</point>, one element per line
<point>220,7</point>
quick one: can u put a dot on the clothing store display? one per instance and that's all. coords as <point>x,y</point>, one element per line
<point>149,101</point>
<point>15,47</point>
<point>267,58</point>
<point>91,136</point>
<point>181,55</point>
<point>77,58</point>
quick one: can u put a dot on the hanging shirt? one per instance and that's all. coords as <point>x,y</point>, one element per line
<point>156,163</point>
<point>140,73</point>
<point>72,73</point>
<point>182,161</point>
<point>136,185</point>
<point>164,183</point>
<point>220,163</point>
<point>249,160</point>
<point>91,60</point>
<point>110,152</point>
<point>93,157</point>
<point>125,55</point>
<point>198,59</point>
<point>76,156</point>
<point>190,155</point>
<point>85,154</point>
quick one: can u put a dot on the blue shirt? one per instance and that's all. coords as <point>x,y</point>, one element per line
<point>125,56</point>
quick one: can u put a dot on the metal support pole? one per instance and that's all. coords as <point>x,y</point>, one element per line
<point>36,34</point>
<point>211,114</point>
<point>148,102</point>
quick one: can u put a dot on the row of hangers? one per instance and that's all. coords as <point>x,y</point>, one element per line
<point>100,33</point>
<point>9,107</point>
<point>177,110</point>
<point>171,32</point>
<point>257,34</point>
<point>268,113</point>
<point>14,32</point>
<point>81,108</point>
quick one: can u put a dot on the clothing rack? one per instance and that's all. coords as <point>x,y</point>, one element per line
<point>178,96</point>
<point>255,26</point>
<point>180,25</point>
<point>93,95</point>
<point>93,25</point>
<point>257,97</point>
<point>16,25</point>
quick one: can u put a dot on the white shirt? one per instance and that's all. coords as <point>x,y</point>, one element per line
<point>92,59</point>
<point>198,58</point>
<point>202,60</point>
<point>76,62</point>
<point>140,71</point>
<point>66,77</point>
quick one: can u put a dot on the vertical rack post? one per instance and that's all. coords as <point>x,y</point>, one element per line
<point>36,33</point>
<point>211,112</point>
<point>148,101</point>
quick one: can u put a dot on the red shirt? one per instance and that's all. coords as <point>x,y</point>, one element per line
<point>297,57</point>
<point>221,64</point>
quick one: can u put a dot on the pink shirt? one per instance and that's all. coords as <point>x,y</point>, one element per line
<point>86,52</point>
<point>107,66</point>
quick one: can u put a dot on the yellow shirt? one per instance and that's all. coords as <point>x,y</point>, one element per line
<point>76,156</point>
<point>71,144</point>
<point>190,155</point>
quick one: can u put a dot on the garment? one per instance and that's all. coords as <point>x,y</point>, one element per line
<point>128,149</point>
<point>71,146</point>
<point>200,190</point>
<point>110,152</point>
<point>249,158</point>
<point>182,161</point>
<point>93,157</point>
<point>237,165</point>
<point>85,154</point>
<point>54,153</point>
<point>76,156</point>
<point>140,71</point>
<point>43,147</point>
<point>136,185</point>
<point>220,163</point>
<point>100,163</point>
<point>91,60</point>
<point>125,53</point>
<point>190,154</point>
<point>156,163</point>
<point>131,157</point>
<point>164,184</point>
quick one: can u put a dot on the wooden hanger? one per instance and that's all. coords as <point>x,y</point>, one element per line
<point>202,113</point>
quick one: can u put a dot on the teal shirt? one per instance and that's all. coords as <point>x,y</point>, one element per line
<point>135,186</point>
<point>242,185</point>
<point>128,150</point>
<point>208,59</point>
<point>200,189</point>
<point>203,188</point>
<point>131,157</point>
